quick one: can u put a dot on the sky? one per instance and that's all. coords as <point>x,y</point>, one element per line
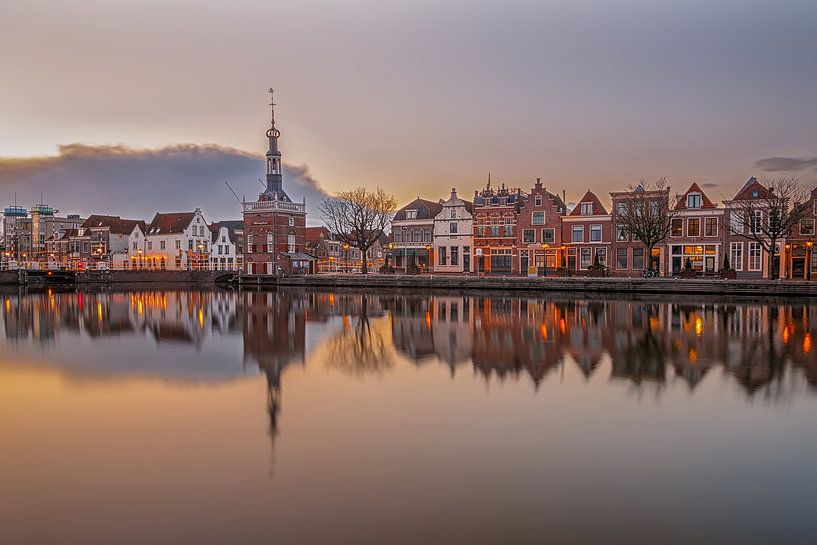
<point>415,96</point>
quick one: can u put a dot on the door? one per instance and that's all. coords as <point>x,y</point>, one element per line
<point>676,264</point>
<point>466,263</point>
<point>709,264</point>
<point>798,267</point>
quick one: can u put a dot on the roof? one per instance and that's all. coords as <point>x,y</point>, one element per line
<point>174,222</point>
<point>426,210</point>
<point>230,225</point>
<point>313,234</point>
<point>705,202</point>
<point>748,189</point>
<point>598,208</point>
<point>115,224</point>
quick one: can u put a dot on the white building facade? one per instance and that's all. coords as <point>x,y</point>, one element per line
<point>453,237</point>
<point>176,242</point>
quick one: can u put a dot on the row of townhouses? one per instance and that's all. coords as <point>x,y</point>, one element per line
<point>502,231</point>
<point>511,232</point>
<point>171,241</point>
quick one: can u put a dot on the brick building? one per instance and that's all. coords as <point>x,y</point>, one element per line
<point>587,233</point>
<point>496,214</point>
<point>274,225</point>
<point>539,231</point>
<point>696,235</point>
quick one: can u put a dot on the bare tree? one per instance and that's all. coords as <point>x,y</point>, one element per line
<point>646,213</point>
<point>769,213</point>
<point>358,217</point>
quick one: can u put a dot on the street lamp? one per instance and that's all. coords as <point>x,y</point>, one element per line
<point>809,249</point>
<point>428,251</point>
<point>199,246</point>
<point>141,263</point>
<point>787,260</point>
<point>346,257</point>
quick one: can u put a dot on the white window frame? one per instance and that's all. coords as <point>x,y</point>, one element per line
<point>736,255</point>
<point>539,214</point>
<point>596,228</point>
<point>755,257</point>
<point>586,208</point>
<point>577,229</point>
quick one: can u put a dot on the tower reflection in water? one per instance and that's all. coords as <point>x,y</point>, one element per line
<point>648,342</point>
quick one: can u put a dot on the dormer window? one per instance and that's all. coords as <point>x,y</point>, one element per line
<point>755,194</point>
<point>587,208</point>
<point>694,200</point>
<point>411,214</point>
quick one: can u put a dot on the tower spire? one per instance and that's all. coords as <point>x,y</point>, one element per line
<point>274,178</point>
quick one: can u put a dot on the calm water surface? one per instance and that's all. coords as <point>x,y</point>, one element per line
<point>196,417</point>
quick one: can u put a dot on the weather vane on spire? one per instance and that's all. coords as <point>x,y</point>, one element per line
<point>272,132</point>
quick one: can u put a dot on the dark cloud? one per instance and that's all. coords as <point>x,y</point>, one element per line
<point>709,185</point>
<point>136,183</point>
<point>786,164</point>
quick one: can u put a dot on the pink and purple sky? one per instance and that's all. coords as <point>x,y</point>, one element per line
<point>98,97</point>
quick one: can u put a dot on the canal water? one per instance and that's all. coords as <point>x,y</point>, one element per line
<point>218,417</point>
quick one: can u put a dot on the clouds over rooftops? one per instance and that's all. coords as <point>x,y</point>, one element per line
<point>787,164</point>
<point>136,183</point>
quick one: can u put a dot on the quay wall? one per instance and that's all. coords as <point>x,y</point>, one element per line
<point>589,285</point>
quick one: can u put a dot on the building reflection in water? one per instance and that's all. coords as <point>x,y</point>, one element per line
<point>654,342</point>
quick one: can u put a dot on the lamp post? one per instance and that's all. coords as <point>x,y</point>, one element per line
<point>141,263</point>
<point>346,257</point>
<point>809,249</point>
<point>390,257</point>
<point>199,247</point>
<point>787,260</point>
<point>428,255</point>
<point>545,247</point>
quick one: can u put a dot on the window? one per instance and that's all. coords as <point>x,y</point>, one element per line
<point>150,245</point>
<point>587,209</point>
<point>549,235</point>
<point>189,244</point>
<point>291,221</point>
<point>178,244</point>
<point>528,236</point>
<point>441,255</point>
<point>595,233</point>
<point>452,228</point>
<point>427,235</point>
<point>677,227</point>
<point>538,200</point>
<point>509,230</point>
<point>135,246</point>
<point>694,200</point>
<point>621,233</point>
<point>578,233</point>
<point>754,256</point>
<point>538,218</point>
<point>621,258</point>
<point>807,226</point>
<point>756,220</point>
<point>494,230</point>
<point>585,258</point>
<point>711,227</point>
<point>162,244</point>
<point>638,258</point>
<point>398,237</point>
<point>601,253</point>
<point>694,227</point>
<point>411,214</point>
<point>455,255</point>
<point>291,243</point>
